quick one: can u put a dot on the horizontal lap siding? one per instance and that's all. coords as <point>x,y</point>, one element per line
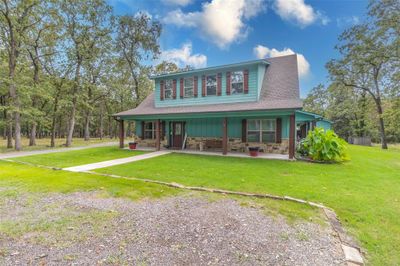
<point>213,127</point>
<point>224,98</point>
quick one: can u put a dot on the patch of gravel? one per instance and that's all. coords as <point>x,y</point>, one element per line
<point>171,231</point>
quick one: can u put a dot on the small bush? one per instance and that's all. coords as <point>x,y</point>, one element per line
<point>324,146</point>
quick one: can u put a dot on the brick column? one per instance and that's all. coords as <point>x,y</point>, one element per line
<point>224,136</point>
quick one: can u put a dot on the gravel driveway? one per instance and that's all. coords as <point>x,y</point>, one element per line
<point>85,229</point>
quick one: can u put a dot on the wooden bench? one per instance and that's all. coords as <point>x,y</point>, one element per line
<point>213,144</point>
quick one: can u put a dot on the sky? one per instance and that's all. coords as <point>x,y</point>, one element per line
<point>204,33</point>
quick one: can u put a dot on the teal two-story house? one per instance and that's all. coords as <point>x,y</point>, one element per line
<point>227,108</point>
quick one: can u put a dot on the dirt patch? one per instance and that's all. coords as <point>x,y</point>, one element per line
<point>83,228</point>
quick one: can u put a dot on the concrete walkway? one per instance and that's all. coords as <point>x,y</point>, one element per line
<point>16,154</point>
<point>92,166</point>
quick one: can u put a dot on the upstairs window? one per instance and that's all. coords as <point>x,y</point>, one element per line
<point>237,83</point>
<point>188,88</point>
<point>149,130</point>
<point>211,85</point>
<point>261,130</point>
<point>168,89</point>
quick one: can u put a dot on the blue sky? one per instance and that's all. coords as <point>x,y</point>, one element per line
<point>214,32</point>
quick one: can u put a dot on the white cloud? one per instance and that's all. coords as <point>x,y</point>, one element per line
<point>183,56</point>
<point>177,2</point>
<point>299,12</point>
<point>303,66</point>
<point>347,21</point>
<point>222,22</point>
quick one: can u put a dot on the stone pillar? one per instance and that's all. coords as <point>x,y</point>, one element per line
<point>121,134</point>
<point>292,131</point>
<point>224,136</point>
<point>158,144</point>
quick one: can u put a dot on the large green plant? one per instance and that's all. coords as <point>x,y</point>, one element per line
<point>321,145</point>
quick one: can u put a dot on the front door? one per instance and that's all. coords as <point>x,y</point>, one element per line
<point>178,132</point>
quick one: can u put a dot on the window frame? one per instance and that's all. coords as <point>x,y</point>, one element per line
<point>261,131</point>
<point>216,84</point>
<point>171,89</point>
<point>231,82</point>
<point>184,87</point>
<point>152,130</point>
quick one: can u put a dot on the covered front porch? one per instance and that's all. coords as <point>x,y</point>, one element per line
<point>228,133</point>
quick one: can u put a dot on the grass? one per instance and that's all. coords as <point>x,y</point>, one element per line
<point>44,143</point>
<point>365,192</point>
<point>79,157</point>
<point>19,181</point>
<point>16,179</point>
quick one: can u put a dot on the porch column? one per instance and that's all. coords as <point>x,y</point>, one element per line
<point>313,124</point>
<point>292,129</point>
<point>224,136</point>
<point>121,133</point>
<point>158,135</point>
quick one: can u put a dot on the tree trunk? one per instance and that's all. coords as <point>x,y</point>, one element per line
<point>74,103</point>
<point>381,123</point>
<point>32,136</point>
<point>15,99</point>
<point>101,127</point>
<point>9,135</point>
<point>87,127</point>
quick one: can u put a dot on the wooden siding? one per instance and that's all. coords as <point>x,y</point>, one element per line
<point>254,87</point>
<point>212,127</point>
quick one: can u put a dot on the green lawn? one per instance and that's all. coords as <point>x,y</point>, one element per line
<point>44,143</point>
<point>18,178</point>
<point>79,157</point>
<point>365,192</point>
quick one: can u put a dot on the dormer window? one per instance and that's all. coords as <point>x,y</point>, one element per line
<point>188,87</point>
<point>211,85</point>
<point>237,83</point>
<point>168,90</point>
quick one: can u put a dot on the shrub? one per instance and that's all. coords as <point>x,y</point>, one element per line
<point>325,146</point>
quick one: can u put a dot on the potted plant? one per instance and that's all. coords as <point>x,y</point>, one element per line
<point>132,145</point>
<point>254,151</point>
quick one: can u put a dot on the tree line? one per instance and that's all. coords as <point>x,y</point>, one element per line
<point>363,98</point>
<point>66,66</point>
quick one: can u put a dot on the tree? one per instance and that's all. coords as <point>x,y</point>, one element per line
<point>17,17</point>
<point>317,100</point>
<point>166,67</point>
<point>85,22</point>
<point>137,40</point>
<point>365,65</point>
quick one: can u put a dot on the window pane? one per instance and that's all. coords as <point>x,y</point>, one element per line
<point>168,89</point>
<point>268,137</point>
<point>237,88</point>
<point>253,136</point>
<point>268,124</point>
<point>237,76</point>
<point>253,124</point>
<point>188,92</point>
<point>211,84</point>
<point>148,134</point>
<point>188,82</point>
<point>148,125</point>
<point>168,94</point>
<point>178,129</point>
<point>168,84</point>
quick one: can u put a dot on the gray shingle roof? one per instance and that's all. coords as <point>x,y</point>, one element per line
<point>280,90</point>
